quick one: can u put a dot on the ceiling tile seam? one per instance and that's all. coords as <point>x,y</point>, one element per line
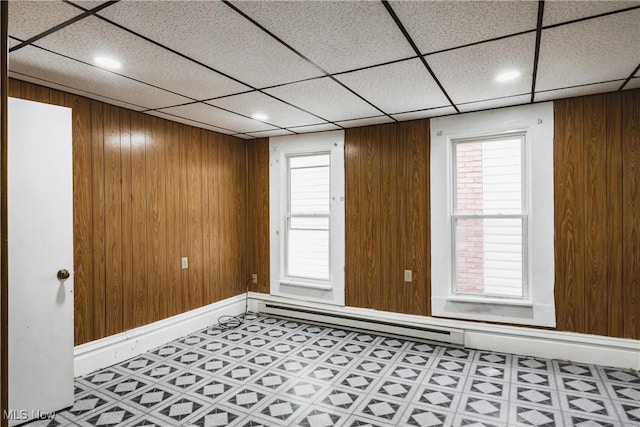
<point>234,132</point>
<point>90,95</point>
<point>112,72</point>
<point>130,31</point>
<point>243,115</point>
<point>420,110</point>
<point>587,18</point>
<point>302,56</point>
<point>196,101</point>
<point>581,85</point>
<point>492,39</point>
<point>628,79</point>
<point>62,25</point>
<point>404,31</point>
<point>536,54</point>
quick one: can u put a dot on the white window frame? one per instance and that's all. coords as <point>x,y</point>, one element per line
<point>280,150</point>
<point>537,307</point>
<point>523,215</point>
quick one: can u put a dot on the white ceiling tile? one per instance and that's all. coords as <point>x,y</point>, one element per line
<point>325,98</point>
<point>315,128</point>
<point>577,91</point>
<point>556,12</point>
<point>278,113</point>
<point>189,122</point>
<point>94,82</point>
<point>13,42</point>
<point>30,18</point>
<point>633,84</point>
<point>336,35</point>
<point>495,103</point>
<point>591,51</point>
<point>433,112</point>
<point>468,74</point>
<point>144,61</point>
<point>268,133</point>
<point>244,136</point>
<point>395,88</point>
<point>211,32</point>
<point>216,117</point>
<point>365,122</point>
<point>437,25</point>
<point>88,4</point>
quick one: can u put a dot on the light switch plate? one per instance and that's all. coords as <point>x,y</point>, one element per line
<point>184,261</point>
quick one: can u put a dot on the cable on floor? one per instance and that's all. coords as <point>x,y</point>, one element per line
<point>231,322</point>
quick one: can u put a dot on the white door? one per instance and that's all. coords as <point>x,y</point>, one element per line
<point>40,204</point>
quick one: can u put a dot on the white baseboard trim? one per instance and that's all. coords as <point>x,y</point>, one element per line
<point>549,344</point>
<point>108,351</point>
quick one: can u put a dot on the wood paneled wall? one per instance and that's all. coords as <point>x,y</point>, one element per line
<point>597,214</point>
<point>147,192</point>
<point>387,217</point>
<point>258,212</point>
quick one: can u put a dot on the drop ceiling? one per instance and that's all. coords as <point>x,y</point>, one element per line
<point>311,66</point>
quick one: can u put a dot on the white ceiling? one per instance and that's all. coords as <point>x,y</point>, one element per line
<point>311,66</point>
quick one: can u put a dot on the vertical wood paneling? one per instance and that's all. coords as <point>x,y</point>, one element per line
<point>614,215</point>
<point>139,219</point>
<point>83,277</point>
<point>213,160</point>
<point>98,203</point>
<point>595,155</point>
<point>390,232</point>
<point>156,217</point>
<point>631,212</point>
<point>127,220</point>
<point>258,212</point>
<point>194,221</point>
<point>569,214</point>
<point>15,88</point>
<point>387,217</point>
<point>417,258</point>
<point>113,219</point>
<point>173,283</point>
<point>33,92</point>
<point>184,135</point>
<point>147,192</point>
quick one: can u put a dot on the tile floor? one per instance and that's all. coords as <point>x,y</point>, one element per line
<point>273,372</point>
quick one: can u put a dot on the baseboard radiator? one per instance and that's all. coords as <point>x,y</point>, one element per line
<point>361,323</point>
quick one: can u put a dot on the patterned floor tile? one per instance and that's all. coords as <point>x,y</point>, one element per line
<point>381,409</point>
<point>522,415</point>
<point>438,399</point>
<point>340,399</point>
<point>490,408</point>
<point>278,372</point>
<point>317,417</point>
<point>426,417</point>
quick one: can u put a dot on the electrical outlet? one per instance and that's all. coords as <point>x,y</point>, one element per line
<point>184,261</point>
<point>408,276</point>
<point>254,278</point>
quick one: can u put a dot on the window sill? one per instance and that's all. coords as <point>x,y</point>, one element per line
<point>490,300</point>
<point>306,285</point>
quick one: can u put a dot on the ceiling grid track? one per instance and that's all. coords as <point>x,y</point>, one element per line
<point>303,57</point>
<point>417,51</point>
<point>86,13</point>
<point>536,54</point>
<point>628,79</point>
<point>188,58</point>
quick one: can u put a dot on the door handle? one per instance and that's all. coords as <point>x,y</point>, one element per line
<point>63,274</point>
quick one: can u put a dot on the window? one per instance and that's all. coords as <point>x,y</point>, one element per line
<point>306,197</point>
<point>492,214</point>
<point>308,216</point>
<point>489,220</point>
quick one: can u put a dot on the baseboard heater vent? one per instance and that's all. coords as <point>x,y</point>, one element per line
<point>362,323</point>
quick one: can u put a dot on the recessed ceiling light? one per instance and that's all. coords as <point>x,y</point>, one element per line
<point>260,116</point>
<point>507,76</point>
<point>105,62</point>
